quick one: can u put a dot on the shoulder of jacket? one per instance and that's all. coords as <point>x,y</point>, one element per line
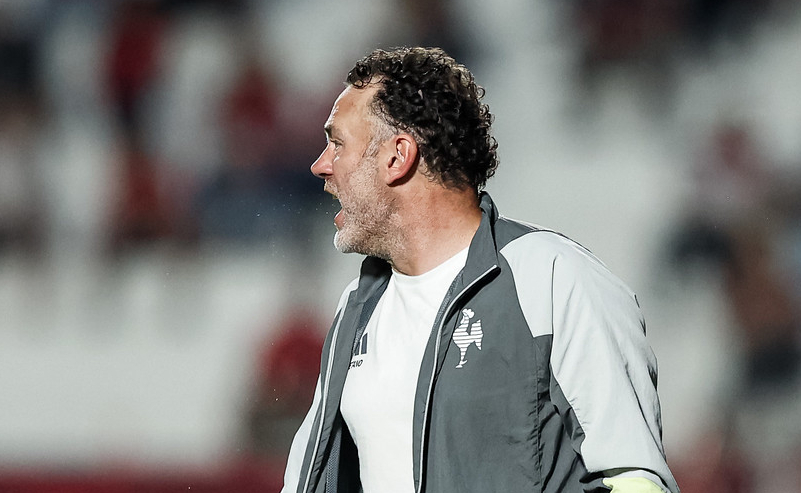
<point>544,255</point>
<point>534,242</point>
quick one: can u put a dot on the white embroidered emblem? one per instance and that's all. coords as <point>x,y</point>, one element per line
<point>464,339</point>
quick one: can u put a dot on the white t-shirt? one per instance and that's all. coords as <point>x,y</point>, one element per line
<point>378,398</point>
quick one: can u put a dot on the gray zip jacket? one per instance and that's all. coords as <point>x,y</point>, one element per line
<point>536,378</point>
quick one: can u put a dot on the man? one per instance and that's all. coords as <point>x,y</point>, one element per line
<point>473,353</point>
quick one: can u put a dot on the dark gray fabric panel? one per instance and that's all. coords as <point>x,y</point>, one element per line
<point>563,443</point>
<point>483,427</point>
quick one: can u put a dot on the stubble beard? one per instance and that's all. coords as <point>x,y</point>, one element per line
<point>369,214</point>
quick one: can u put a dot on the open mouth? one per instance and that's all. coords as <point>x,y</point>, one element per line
<point>338,218</point>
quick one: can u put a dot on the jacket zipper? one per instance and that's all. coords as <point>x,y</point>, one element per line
<point>323,399</point>
<point>434,368</point>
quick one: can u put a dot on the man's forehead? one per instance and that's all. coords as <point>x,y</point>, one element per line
<point>351,101</point>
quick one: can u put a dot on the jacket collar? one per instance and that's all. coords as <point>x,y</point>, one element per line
<point>481,255</point>
<point>373,277</point>
<point>483,252</point>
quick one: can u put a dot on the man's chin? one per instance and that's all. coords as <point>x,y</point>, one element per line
<point>347,245</point>
<point>341,244</point>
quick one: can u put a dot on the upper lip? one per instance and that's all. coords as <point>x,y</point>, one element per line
<point>329,189</point>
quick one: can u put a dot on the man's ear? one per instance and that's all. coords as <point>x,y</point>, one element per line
<point>402,161</point>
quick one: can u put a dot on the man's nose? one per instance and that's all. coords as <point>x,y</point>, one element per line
<point>322,166</point>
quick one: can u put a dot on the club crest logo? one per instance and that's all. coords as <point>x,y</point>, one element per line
<point>466,334</point>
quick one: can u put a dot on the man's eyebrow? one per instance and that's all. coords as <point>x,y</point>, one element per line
<point>331,131</point>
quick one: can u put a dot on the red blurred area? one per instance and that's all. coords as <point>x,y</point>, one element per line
<point>242,478</point>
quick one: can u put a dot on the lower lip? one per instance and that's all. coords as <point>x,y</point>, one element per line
<point>338,219</point>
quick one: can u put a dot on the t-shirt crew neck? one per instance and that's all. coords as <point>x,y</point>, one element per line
<point>378,398</point>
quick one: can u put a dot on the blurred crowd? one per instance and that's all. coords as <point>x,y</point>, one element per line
<point>744,227</point>
<point>248,182</point>
<point>648,37</point>
<point>138,124</point>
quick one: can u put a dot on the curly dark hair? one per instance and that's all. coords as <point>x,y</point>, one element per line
<point>426,93</point>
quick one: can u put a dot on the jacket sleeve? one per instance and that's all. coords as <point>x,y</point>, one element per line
<point>607,373</point>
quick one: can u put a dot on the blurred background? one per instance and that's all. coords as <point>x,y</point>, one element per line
<point>166,263</point>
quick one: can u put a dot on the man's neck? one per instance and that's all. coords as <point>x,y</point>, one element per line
<point>434,227</point>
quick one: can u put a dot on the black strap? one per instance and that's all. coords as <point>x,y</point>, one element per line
<point>332,471</point>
